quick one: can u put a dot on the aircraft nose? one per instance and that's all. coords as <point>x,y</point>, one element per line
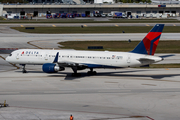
<point>7,59</point>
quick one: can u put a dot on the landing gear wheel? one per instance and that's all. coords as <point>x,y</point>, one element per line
<point>76,74</point>
<point>94,72</point>
<point>24,71</point>
<point>91,72</point>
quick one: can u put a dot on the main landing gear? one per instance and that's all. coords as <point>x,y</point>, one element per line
<point>75,74</point>
<point>91,72</point>
<point>23,68</point>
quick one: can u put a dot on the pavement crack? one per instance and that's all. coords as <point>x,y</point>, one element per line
<point>36,116</point>
<point>2,116</point>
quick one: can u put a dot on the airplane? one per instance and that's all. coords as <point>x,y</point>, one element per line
<point>53,61</point>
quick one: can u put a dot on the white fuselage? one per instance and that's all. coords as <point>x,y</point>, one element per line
<point>97,59</point>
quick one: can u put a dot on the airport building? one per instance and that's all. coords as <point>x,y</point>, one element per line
<point>134,9</point>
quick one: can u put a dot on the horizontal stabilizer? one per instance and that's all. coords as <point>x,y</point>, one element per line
<point>165,56</point>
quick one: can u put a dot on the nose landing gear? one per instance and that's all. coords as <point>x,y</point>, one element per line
<point>23,68</point>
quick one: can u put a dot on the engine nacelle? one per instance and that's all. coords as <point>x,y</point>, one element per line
<point>51,68</point>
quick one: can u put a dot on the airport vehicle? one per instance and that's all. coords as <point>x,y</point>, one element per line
<point>117,15</point>
<point>53,61</point>
<point>96,13</point>
<point>48,16</point>
<point>109,15</point>
<point>12,16</point>
<point>103,15</point>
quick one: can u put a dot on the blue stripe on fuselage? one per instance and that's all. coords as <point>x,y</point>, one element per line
<point>99,66</point>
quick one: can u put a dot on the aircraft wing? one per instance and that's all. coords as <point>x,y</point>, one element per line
<point>67,63</point>
<point>70,64</point>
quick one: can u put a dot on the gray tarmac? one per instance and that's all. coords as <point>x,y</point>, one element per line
<point>25,40</point>
<point>112,94</point>
<point>127,94</point>
<point>79,24</point>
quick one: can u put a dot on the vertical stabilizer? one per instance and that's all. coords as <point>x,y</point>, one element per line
<point>149,44</point>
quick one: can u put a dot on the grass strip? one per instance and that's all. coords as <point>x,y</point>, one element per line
<point>144,21</point>
<point>125,46</point>
<point>164,66</point>
<point>1,18</point>
<point>109,29</point>
<point>67,20</point>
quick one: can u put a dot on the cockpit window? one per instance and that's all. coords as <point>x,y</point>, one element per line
<point>10,54</point>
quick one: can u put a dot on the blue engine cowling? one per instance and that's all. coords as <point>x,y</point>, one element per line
<point>49,68</point>
<point>52,68</point>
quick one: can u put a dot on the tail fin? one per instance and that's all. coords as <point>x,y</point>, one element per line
<point>149,43</point>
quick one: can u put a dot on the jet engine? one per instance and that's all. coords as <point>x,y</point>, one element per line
<point>51,68</point>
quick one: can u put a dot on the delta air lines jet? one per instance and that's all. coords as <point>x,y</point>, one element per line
<point>53,61</point>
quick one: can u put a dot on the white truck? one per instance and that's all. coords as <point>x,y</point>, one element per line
<point>11,15</point>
